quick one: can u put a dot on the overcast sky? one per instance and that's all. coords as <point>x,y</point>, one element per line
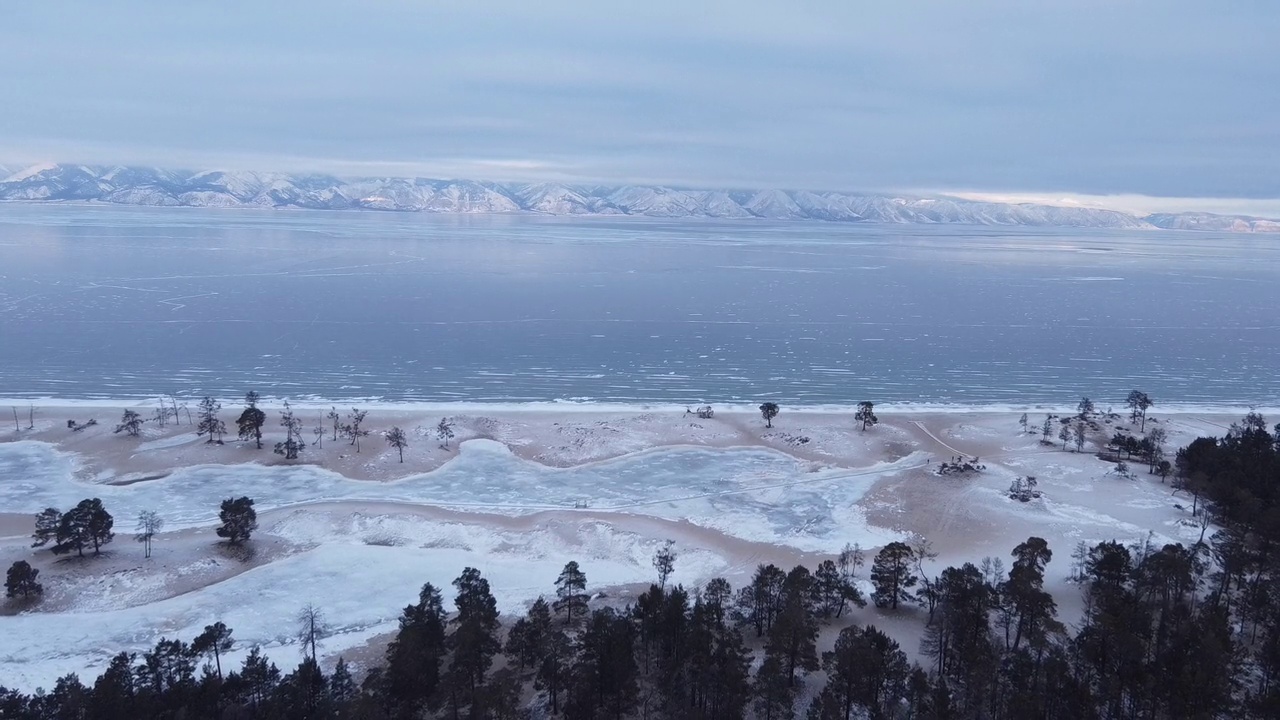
<point>1168,97</point>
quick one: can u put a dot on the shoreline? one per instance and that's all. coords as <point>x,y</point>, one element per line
<point>590,406</point>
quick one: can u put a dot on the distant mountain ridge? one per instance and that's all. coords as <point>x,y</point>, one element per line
<point>215,188</point>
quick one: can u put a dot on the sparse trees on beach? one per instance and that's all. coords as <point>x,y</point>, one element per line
<point>239,520</point>
<point>333,417</point>
<point>351,428</point>
<point>209,423</point>
<point>1064,434</point>
<point>397,439</point>
<point>769,411</point>
<point>131,423</point>
<point>1078,435</point>
<point>251,420</point>
<point>1138,403</point>
<point>86,524</point>
<point>1023,422</point>
<point>1046,428</point>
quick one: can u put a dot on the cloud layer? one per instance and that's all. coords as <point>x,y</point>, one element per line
<point>1169,98</point>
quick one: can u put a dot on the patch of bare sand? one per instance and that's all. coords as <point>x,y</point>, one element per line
<point>120,576</point>
<point>557,439</point>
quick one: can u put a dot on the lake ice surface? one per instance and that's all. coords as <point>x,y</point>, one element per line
<point>118,303</point>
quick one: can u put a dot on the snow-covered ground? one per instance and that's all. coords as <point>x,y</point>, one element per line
<point>523,495</point>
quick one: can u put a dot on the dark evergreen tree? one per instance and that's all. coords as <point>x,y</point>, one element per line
<point>959,638</point>
<point>115,691</point>
<point>215,640</point>
<point>769,411</point>
<point>866,670</point>
<point>351,428</point>
<point>131,423</point>
<point>793,637</point>
<point>664,561</point>
<point>209,423</point>
<point>892,575</point>
<point>604,679</point>
<point>414,657</point>
<point>239,520</point>
<point>833,591</point>
<point>571,588</point>
<point>866,414</point>
<point>293,444</point>
<point>397,440</point>
<point>251,420</point>
<point>475,636</point>
<point>47,523</point>
<point>761,601</point>
<point>22,580</point>
<point>87,524</point>
<point>773,690</point>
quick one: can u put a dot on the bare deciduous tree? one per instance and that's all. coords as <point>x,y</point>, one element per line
<point>149,523</point>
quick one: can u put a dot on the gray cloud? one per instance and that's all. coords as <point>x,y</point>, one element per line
<point>1173,98</point>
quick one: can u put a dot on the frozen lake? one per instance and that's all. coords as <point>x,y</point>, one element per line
<point>104,302</point>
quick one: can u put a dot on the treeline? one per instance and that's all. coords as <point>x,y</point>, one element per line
<point>1152,644</point>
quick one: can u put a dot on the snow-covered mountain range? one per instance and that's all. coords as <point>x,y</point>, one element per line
<point>215,188</point>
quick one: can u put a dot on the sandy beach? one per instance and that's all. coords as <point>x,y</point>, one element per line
<point>519,493</point>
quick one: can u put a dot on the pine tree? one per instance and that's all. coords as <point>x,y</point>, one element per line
<point>475,636</point>
<point>209,423</point>
<point>892,575</point>
<point>444,432</point>
<point>761,601</point>
<point>47,523</point>
<point>397,440</point>
<point>342,688</point>
<point>215,640</point>
<point>773,690</point>
<point>88,523</point>
<point>769,411</point>
<point>293,443</point>
<point>412,673</point>
<point>571,588</point>
<point>866,669</point>
<point>22,580</point>
<point>664,561</point>
<point>793,637</point>
<point>239,520</point>
<point>131,423</point>
<point>866,415</point>
<point>352,427</point>
<point>251,420</point>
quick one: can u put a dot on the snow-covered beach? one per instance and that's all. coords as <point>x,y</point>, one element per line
<point>517,494</point>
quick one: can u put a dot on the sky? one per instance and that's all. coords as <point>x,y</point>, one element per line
<point>1045,99</point>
